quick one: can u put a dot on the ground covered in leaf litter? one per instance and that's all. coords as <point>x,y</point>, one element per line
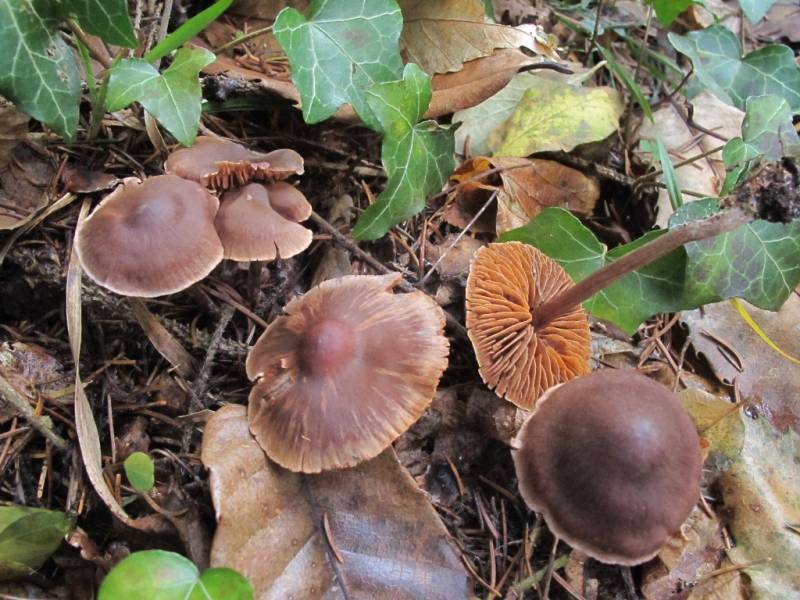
<point>457,452</point>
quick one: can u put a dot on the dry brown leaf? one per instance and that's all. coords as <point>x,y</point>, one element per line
<point>264,9</point>
<point>366,532</point>
<point>782,22</point>
<point>706,175</point>
<point>441,35</point>
<point>161,338</point>
<point>524,189</point>
<point>24,183</point>
<point>724,12</point>
<point>451,258</point>
<point>14,129</point>
<point>736,353</point>
<point>33,371</point>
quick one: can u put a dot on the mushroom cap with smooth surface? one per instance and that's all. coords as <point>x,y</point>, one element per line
<point>345,372</point>
<point>506,283</point>
<point>151,238</point>
<point>220,164</point>
<point>257,222</point>
<point>613,462</point>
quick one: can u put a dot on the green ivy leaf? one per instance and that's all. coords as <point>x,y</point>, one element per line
<point>755,10</point>
<point>140,471</point>
<point>162,575</point>
<point>173,97</point>
<point>759,262</point>
<point>716,55</point>
<point>107,19</point>
<point>658,287</point>
<point>338,51</point>
<point>28,536</point>
<point>669,10</point>
<point>37,70</point>
<point>554,115</point>
<point>417,157</point>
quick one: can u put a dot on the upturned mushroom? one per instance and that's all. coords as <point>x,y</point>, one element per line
<point>517,359</point>
<point>613,462</point>
<point>221,164</point>
<point>257,222</point>
<point>346,371</point>
<point>151,238</point>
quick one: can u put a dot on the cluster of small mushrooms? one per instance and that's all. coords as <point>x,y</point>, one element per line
<point>610,458</point>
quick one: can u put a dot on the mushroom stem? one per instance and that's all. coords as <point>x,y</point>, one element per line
<point>721,222</point>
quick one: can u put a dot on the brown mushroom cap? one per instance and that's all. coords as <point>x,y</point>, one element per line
<point>151,238</point>
<point>613,463</point>
<point>505,285</point>
<point>346,371</point>
<point>256,222</point>
<point>219,164</point>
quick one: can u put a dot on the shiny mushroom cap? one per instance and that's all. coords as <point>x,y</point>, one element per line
<point>151,238</point>
<point>220,164</point>
<point>256,222</point>
<point>346,371</point>
<point>505,285</point>
<point>613,463</point>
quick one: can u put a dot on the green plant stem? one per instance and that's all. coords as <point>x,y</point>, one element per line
<point>593,41</point>
<point>722,222</point>
<point>242,39</point>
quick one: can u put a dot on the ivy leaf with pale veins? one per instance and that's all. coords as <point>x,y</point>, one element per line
<point>759,262</point>
<point>555,115</point>
<point>107,19</point>
<point>418,157</point>
<point>718,63</point>
<point>655,288</point>
<point>37,70</point>
<point>338,51</point>
<point>173,97</point>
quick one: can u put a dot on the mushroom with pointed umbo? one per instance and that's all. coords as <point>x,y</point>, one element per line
<point>613,462</point>
<point>150,238</point>
<point>347,369</point>
<point>258,222</point>
<point>518,360</point>
<point>220,164</point>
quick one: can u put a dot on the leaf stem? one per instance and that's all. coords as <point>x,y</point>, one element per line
<point>721,222</point>
<point>242,39</point>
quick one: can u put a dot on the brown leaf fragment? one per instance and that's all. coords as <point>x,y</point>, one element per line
<point>271,525</point>
<point>24,183</point>
<point>13,129</point>
<point>451,258</point>
<point>782,22</point>
<point>79,180</point>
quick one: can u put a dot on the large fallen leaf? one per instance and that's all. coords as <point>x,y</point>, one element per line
<point>782,21</point>
<point>441,35</point>
<point>173,97</point>
<point>759,262</point>
<point>657,287</point>
<point>704,176</point>
<point>366,532</point>
<point>737,354</point>
<point>417,157</point>
<point>524,188</point>
<point>719,65</point>
<point>338,51</point>
<point>557,116</point>
<point>28,536</point>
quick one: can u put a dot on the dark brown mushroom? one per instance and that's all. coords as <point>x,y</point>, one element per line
<point>346,371</point>
<point>220,164</point>
<point>517,360</point>
<point>613,462</point>
<point>256,222</point>
<point>151,238</point>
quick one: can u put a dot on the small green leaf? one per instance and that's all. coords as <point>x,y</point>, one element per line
<point>418,157</point>
<point>717,58</point>
<point>755,10</point>
<point>140,471</point>
<point>739,159</point>
<point>107,19</point>
<point>188,30</point>
<point>759,262</point>
<point>557,116</point>
<point>37,70</point>
<point>173,97</point>
<point>161,575</point>
<point>670,176</point>
<point>28,536</point>
<point>658,287</point>
<point>338,51</point>
<point>669,10</point>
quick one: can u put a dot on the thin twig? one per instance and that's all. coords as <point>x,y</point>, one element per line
<point>242,39</point>
<point>23,407</point>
